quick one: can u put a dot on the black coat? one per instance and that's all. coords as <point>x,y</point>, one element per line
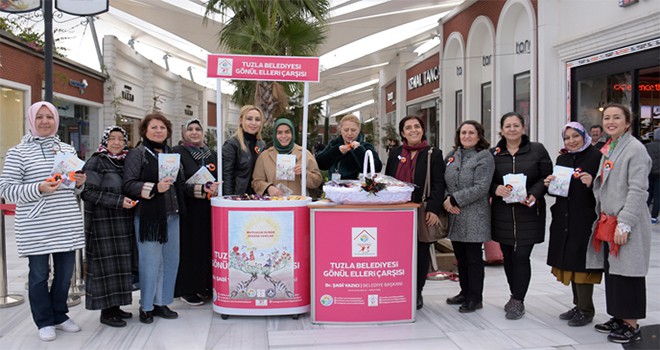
<point>350,164</point>
<point>437,176</point>
<point>237,167</point>
<point>573,216</point>
<point>134,182</point>
<point>517,224</point>
<point>195,272</point>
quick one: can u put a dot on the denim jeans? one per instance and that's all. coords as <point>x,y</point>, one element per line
<point>158,265</point>
<point>49,306</point>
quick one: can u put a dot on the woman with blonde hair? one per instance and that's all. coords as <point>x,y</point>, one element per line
<point>343,158</point>
<point>240,152</point>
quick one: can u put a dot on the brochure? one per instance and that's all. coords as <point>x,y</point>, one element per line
<point>65,165</point>
<point>559,186</point>
<point>168,165</point>
<point>285,167</point>
<point>201,177</point>
<point>518,185</point>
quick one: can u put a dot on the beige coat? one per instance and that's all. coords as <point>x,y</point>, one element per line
<point>264,172</point>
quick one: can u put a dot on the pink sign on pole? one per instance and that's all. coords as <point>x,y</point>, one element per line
<point>275,68</point>
<point>363,265</point>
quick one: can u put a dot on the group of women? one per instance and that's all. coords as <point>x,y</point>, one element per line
<point>609,183</point>
<point>600,225</point>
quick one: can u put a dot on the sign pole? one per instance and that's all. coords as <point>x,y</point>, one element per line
<point>48,50</point>
<point>303,191</point>
<point>218,129</point>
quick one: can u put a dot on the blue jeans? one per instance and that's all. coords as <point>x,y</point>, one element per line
<point>158,265</point>
<point>49,306</point>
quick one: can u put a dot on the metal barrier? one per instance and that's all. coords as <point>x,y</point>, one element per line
<point>6,300</point>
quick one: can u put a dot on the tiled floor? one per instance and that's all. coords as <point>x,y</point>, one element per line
<point>437,326</point>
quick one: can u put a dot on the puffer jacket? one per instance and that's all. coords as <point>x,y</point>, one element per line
<point>237,167</point>
<point>517,224</point>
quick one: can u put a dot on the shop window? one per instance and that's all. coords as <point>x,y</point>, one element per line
<point>486,108</point>
<point>648,90</point>
<point>459,107</point>
<point>132,127</point>
<point>74,127</point>
<point>12,113</point>
<point>522,96</point>
<point>632,80</point>
<point>428,111</point>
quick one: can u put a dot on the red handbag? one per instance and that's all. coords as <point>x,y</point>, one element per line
<point>605,229</point>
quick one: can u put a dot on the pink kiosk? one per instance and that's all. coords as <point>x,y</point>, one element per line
<point>261,248</point>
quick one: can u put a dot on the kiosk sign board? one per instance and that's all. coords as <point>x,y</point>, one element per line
<point>363,265</point>
<point>270,68</point>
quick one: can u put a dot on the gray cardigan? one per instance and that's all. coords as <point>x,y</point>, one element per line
<point>621,191</point>
<point>467,179</point>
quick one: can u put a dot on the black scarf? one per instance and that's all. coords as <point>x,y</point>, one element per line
<point>153,214</point>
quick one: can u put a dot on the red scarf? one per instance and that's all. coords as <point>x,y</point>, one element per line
<point>406,169</point>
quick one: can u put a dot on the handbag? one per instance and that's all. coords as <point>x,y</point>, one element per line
<point>430,233</point>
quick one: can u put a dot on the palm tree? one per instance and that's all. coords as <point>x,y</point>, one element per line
<point>270,27</point>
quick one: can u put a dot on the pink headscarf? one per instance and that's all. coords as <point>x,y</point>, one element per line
<point>32,116</point>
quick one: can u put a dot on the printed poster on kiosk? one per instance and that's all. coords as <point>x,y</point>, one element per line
<point>256,260</point>
<point>363,266</point>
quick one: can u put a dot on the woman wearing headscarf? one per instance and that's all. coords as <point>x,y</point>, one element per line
<point>108,230</point>
<point>48,219</point>
<point>572,219</point>
<point>265,180</point>
<point>194,277</point>
<point>157,217</point>
<point>240,152</point>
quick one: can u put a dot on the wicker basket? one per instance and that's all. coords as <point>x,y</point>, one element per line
<point>354,194</point>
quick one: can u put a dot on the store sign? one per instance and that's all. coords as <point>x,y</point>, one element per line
<point>523,47</point>
<point>640,87</point>
<point>82,85</point>
<point>485,60</point>
<point>18,6</point>
<point>270,68</point>
<point>82,7</point>
<point>126,93</point>
<point>423,78</point>
<point>188,111</point>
